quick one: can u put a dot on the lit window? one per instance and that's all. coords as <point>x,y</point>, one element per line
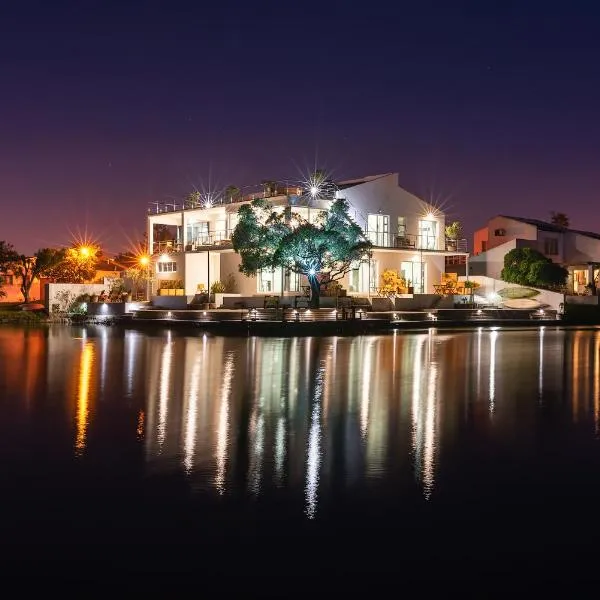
<point>167,267</point>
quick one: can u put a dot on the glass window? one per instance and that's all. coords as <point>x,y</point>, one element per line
<point>292,281</point>
<point>401,227</point>
<point>167,267</point>
<point>428,234</point>
<point>378,228</point>
<point>266,281</point>
<point>198,233</point>
<point>414,275</point>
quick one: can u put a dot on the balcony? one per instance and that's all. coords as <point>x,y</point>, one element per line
<point>218,240</point>
<point>407,241</point>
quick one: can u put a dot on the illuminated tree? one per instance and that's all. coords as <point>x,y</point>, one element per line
<point>78,265</point>
<point>392,283</point>
<point>527,266</point>
<point>322,251</point>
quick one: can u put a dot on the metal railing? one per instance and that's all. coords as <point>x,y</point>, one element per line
<point>411,241</point>
<point>218,239</point>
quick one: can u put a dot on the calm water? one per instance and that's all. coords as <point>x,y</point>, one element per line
<point>432,455</point>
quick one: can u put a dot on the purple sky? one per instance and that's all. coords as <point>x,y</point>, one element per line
<point>105,107</point>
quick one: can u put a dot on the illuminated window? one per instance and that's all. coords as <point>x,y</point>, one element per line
<point>378,228</point>
<point>428,234</point>
<point>167,267</point>
<point>198,233</point>
<point>401,227</point>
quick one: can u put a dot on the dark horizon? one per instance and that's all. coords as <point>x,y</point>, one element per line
<point>113,106</point>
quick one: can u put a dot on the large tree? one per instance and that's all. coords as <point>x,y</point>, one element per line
<point>322,251</point>
<point>527,266</point>
<point>7,257</point>
<point>30,268</point>
<point>76,265</point>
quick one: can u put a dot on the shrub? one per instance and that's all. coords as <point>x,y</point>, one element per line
<point>218,287</point>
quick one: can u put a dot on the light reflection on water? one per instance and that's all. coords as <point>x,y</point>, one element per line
<point>306,415</point>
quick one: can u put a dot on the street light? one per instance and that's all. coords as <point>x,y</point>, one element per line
<point>144,261</point>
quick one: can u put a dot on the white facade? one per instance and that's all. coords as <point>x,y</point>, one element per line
<point>578,251</point>
<point>408,235</point>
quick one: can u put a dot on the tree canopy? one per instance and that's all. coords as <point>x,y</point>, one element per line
<point>322,251</point>
<point>560,219</point>
<point>527,266</point>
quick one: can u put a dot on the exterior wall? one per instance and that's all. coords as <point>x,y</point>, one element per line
<point>245,286</point>
<point>490,263</point>
<point>13,290</point>
<point>489,287</point>
<point>179,273</point>
<point>196,272</point>
<point>383,196</point>
<point>581,249</point>
<point>56,293</point>
<point>480,240</point>
<point>513,230</point>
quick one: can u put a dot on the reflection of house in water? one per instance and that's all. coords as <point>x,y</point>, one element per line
<point>582,375</point>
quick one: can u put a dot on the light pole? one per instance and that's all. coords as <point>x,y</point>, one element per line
<point>145,262</point>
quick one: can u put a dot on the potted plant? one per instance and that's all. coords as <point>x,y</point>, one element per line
<point>453,233</point>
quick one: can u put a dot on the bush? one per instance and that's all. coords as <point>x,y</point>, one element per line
<point>21,317</point>
<point>527,266</point>
<point>218,287</point>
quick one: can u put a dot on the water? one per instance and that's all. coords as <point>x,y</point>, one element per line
<point>427,455</point>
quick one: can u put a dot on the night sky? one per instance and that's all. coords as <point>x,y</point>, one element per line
<point>106,107</point>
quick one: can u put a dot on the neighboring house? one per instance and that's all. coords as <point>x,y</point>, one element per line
<point>578,251</point>
<point>107,268</point>
<point>407,234</point>
<point>11,286</point>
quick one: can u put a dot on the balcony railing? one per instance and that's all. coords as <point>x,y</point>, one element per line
<point>222,239</point>
<point>414,242</point>
<point>201,243</point>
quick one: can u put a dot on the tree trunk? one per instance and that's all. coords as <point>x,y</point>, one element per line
<point>315,290</point>
<point>25,291</point>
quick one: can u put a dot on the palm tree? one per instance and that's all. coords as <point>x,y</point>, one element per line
<point>560,219</point>
<point>231,193</point>
<point>193,200</point>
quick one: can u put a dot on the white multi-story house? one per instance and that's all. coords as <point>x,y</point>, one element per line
<point>407,233</point>
<point>578,251</point>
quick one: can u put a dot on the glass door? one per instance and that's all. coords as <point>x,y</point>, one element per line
<point>428,235</point>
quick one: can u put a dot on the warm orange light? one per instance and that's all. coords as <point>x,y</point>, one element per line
<point>85,251</point>
<point>144,260</point>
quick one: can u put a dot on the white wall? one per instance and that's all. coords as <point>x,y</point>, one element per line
<point>491,262</point>
<point>581,249</point>
<point>489,288</point>
<point>384,196</point>
<point>513,230</point>
<point>246,286</point>
<point>62,294</point>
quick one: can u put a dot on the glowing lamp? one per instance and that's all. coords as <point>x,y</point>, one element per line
<point>84,251</point>
<point>144,260</point>
<point>311,272</point>
<point>314,190</point>
<point>164,257</point>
